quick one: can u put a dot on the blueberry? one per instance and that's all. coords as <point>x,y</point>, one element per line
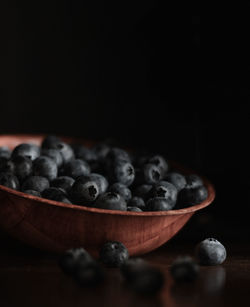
<point>84,153</point>
<point>121,189</point>
<point>63,182</point>
<point>210,252</point>
<point>142,190</point>
<point>148,174</point>
<point>9,180</point>
<point>193,181</point>
<point>101,181</point>
<point>46,167</point>
<point>111,201</point>
<point>116,154</point>
<point>84,190</point>
<point>88,274</point>
<point>50,141</point>
<point>70,259</point>
<point>6,165</point>
<point>65,150</point>
<point>137,202</point>
<point>33,192</point>
<point>56,194</point>
<point>30,151</point>
<point>184,269</point>
<point>131,267</point>
<point>5,152</point>
<point>144,279</point>
<point>123,172</point>
<point>76,168</point>
<point>190,197</point>
<point>164,189</point>
<point>177,179</point>
<point>158,204</point>
<point>36,183</point>
<point>161,163</point>
<point>53,154</point>
<point>135,209</point>
<point>113,254</point>
<point>22,167</point>
<point>101,150</point>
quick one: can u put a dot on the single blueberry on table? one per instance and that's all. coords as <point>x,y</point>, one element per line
<point>131,267</point>
<point>111,201</point>
<point>142,190</point>
<point>37,183</point>
<point>184,269</point>
<point>76,168</point>
<point>89,274</point>
<point>141,277</point>
<point>148,174</point>
<point>5,152</point>
<point>56,194</point>
<point>30,151</point>
<point>158,204</point>
<point>137,202</point>
<point>113,254</point>
<point>46,167</point>
<point>33,192</point>
<point>63,182</point>
<point>193,181</point>
<point>190,197</point>
<point>84,191</point>
<point>9,180</point>
<point>22,167</point>
<point>177,179</point>
<point>70,259</point>
<point>210,252</point>
<point>164,189</point>
<point>53,154</point>
<point>50,141</point>
<point>149,281</point>
<point>121,189</point>
<point>123,172</point>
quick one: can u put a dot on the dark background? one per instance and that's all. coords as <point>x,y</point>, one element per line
<point>173,78</point>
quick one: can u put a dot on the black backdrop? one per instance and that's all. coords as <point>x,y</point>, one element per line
<point>148,74</point>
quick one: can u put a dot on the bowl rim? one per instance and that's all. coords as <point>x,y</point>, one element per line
<point>36,199</point>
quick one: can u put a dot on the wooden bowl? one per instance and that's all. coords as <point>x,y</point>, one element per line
<point>56,226</point>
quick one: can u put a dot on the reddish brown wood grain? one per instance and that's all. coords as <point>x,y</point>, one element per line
<point>56,226</point>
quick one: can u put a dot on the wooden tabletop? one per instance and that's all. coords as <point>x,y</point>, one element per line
<point>29,277</point>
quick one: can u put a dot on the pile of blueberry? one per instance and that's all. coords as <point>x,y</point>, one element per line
<point>138,274</point>
<point>102,177</point>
